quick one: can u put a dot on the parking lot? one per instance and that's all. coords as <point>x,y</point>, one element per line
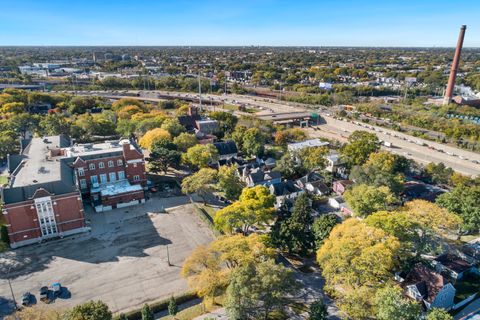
<point>122,261</point>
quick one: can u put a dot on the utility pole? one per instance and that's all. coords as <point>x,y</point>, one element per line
<point>168,257</point>
<point>11,290</point>
<point>199,92</point>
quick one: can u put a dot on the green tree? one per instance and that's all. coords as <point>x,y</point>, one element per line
<point>54,124</point>
<point>439,173</point>
<point>8,143</point>
<point>392,305</point>
<point>322,226</point>
<point>147,313</point>
<point>201,155</point>
<point>226,121</point>
<point>364,199</point>
<point>360,145</point>
<point>172,307</point>
<point>318,311</point>
<point>313,158</point>
<point>290,167</point>
<point>162,158</point>
<point>295,233</point>
<point>173,126</point>
<point>255,290</point>
<point>201,182</point>
<point>464,201</point>
<point>92,310</point>
<point>438,314</point>
<point>254,208</point>
<point>122,316</point>
<point>253,142</point>
<point>23,123</point>
<point>229,182</point>
<point>185,141</point>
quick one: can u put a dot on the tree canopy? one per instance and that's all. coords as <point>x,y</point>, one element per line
<point>359,147</point>
<point>365,199</point>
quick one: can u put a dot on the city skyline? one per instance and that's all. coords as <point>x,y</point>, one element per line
<point>264,23</point>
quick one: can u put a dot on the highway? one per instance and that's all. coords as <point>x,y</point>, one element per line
<point>420,150</point>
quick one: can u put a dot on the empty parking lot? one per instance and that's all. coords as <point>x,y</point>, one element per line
<point>123,261</point>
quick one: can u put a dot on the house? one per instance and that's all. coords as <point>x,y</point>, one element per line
<point>453,265</point>
<point>227,150</point>
<point>270,163</point>
<point>48,180</point>
<point>297,146</point>
<point>419,190</point>
<point>335,165</point>
<point>285,191</point>
<point>193,121</point>
<point>429,287</point>
<point>257,176</point>
<point>339,203</point>
<point>340,186</point>
<point>313,184</point>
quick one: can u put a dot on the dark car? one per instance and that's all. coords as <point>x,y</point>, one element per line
<point>27,298</point>
<point>43,293</point>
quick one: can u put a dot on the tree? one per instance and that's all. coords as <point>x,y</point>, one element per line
<point>360,145</point>
<point>162,158</point>
<point>8,143</point>
<point>255,290</point>
<point>23,123</point>
<point>439,173</point>
<point>37,312</point>
<point>202,183</point>
<point>290,166</point>
<point>201,155</point>
<point>173,126</point>
<point>147,313</point>
<point>439,314</point>
<point>392,305</point>
<point>185,141</point>
<point>117,105</point>
<point>122,316</point>
<point>364,199</point>
<point>229,182</point>
<point>172,307</point>
<point>313,158</point>
<point>318,311</point>
<point>254,208</point>
<point>54,124</point>
<point>253,142</point>
<point>356,260</point>
<point>92,310</point>
<point>154,136</point>
<point>322,226</point>
<point>226,121</point>
<point>208,269</point>
<point>295,233</point>
<point>464,201</point>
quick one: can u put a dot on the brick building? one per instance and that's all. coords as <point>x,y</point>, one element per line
<point>49,178</point>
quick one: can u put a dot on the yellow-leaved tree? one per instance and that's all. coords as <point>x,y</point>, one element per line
<point>153,136</point>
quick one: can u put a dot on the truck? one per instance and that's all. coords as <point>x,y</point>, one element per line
<point>387,144</point>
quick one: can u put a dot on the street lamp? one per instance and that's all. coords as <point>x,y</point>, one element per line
<point>11,290</point>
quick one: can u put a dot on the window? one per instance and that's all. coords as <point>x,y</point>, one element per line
<point>136,178</point>
<point>46,216</point>
<point>119,162</point>
<point>110,164</point>
<point>81,173</point>
<point>83,183</point>
<point>121,175</point>
<point>91,166</point>
<point>94,179</point>
<point>112,176</point>
<point>101,165</point>
<point>103,178</point>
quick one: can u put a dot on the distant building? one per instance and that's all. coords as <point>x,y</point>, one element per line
<point>297,146</point>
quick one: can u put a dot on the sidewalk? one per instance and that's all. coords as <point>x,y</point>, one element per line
<point>219,314</point>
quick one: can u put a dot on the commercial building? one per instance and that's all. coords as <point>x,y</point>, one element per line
<point>49,178</point>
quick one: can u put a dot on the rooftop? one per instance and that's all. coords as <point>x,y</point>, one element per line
<point>89,149</point>
<point>117,187</point>
<point>306,144</point>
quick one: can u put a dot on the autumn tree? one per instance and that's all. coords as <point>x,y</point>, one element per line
<point>392,305</point>
<point>154,136</point>
<point>465,202</point>
<point>360,145</point>
<point>439,314</point>
<point>200,155</point>
<point>201,182</point>
<point>313,158</point>
<point>173,126</point>
<point>92,310</point>
<point>364,199</point>
<point>229,182</point>
<point>254,208</point>
<point>356,260</point>
<point>255,290</point>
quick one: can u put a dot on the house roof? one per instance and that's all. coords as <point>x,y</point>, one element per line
<point>283,188</point>
<point>258,175</point>
<point>344,183</point>
<point>427,281</point>
<point>226,147</point>
<point>453,262</point>
<point>305,144</point>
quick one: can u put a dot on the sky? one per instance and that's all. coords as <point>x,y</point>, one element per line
<point>425,23</point>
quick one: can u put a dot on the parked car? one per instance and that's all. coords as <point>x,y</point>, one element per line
<point>43,293</point>
<point>56,288</point>
<point>27,298</point>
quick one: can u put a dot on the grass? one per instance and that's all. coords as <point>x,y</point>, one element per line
<point>210,210</point>
<point>468,285</point>
<point>188,313</point>
<point>469,237</point>
<point>3,180</point>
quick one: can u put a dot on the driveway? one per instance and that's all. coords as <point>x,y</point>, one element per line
<point>122,261</point>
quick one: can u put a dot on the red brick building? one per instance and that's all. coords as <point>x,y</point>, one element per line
<point>49,178</point>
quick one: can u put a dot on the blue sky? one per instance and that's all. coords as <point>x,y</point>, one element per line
<point>241,22</point>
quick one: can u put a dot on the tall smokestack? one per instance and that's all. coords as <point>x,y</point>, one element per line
<point>453,71</point>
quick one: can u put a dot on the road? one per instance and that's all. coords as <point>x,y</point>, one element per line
<point>460,160</point>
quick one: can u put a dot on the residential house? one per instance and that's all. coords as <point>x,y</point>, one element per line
<point>227,150</point>
<point>257,176</point>
<point>452,265</point>
<point>285,193</point>
<point>429,287</point>
<point>193,121</point>
<point>339,203</point>
<point>297,146</point>
<point>313,184</point>
<point>340,186</point>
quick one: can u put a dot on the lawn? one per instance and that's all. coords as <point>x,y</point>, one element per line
<point>188,313</point>
<point>468,285</point>
<point>3,180</point>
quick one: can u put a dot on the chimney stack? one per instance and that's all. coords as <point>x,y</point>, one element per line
<point>453,71</point>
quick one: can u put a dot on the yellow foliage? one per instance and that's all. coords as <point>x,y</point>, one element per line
<point>153,136</point>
